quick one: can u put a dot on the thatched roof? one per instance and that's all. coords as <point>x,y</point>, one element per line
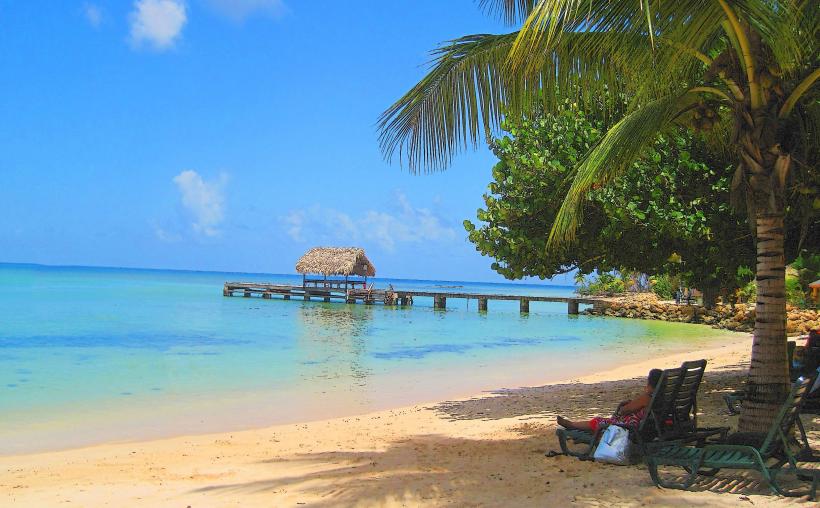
<point>336,261</point>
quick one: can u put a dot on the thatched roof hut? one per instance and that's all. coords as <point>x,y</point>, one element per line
<point>336,261</point>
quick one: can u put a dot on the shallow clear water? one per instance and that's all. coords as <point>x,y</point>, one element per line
<point>95,354</point>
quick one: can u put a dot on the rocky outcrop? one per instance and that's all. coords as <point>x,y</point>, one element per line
<point>740,317</point>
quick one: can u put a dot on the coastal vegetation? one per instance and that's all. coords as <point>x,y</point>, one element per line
<point>669,215</point>
<point>742,74</point>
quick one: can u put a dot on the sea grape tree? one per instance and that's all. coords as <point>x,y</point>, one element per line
<point>743,71</point>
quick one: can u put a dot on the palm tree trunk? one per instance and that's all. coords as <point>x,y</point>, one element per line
<point>768,381</point>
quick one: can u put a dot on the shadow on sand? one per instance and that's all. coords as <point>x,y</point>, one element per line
<point>583,401</point>
<point>506,469</point>
<point>431,469</point>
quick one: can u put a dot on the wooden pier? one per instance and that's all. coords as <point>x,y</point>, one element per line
<point>328,293</point>
<point>369,296</point>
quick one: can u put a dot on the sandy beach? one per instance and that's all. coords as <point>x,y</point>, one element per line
<point>487,450</point>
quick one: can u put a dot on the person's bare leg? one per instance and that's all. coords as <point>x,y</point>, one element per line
<point>567,424</point>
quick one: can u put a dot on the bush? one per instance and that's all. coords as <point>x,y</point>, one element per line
<point>798,275</point>
<point>748,293</point>
<point>663,286</point>
<point>794,292</point>
<point>604,283</point>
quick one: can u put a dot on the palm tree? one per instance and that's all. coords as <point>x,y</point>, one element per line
<point>742,72</point>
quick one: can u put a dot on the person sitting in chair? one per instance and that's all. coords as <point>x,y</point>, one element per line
<point>629,413</point>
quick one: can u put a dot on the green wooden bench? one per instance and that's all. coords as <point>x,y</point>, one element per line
<point>766,453</point>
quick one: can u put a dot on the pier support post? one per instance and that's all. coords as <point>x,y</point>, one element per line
<point>350,300</point>
<point>307,297</point>
<point>247,294</point>
<point>287,297</point>
<point>524,306</point>
<point>327,299</point>
<point>482,305</point>
<point>225,292</point>
<point>572,307</point>
<point>404,301</point>
<point>440,302</point>
<point>266,295</point>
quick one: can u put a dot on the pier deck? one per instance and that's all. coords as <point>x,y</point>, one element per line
<point>393,296</point>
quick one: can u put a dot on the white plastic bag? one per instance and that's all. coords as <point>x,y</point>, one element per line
<point>613,446</point>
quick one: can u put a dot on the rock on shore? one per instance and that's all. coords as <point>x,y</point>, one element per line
<point>740,317</point>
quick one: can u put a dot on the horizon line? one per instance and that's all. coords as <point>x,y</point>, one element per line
<point>191,270</point>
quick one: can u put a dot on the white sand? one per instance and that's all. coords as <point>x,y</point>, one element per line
<point>485,451</point>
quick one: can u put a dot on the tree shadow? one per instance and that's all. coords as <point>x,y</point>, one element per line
<point>584,400</point>
<point>505,468</point>
<point>436,469</point>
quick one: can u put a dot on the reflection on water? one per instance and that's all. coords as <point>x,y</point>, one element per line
<point>332,341</point>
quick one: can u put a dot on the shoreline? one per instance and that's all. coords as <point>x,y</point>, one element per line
<point>340,461</point>
<point>738,317</point>
<point>247,410</point>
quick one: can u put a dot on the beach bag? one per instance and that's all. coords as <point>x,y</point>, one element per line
<point>614,446</point>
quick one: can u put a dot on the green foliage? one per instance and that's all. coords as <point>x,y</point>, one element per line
<point>803,271</point>
<point>603,284</point>
<point>754,63</point>
<point>673,203</point>
<point>664,286</point>
<point>670,213</point>
<point>748,292</point>
<point>795,294</point>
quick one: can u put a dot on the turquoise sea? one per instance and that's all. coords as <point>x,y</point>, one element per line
<point>107,354</point>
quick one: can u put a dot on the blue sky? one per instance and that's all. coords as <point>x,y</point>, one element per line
<point>225,135</point>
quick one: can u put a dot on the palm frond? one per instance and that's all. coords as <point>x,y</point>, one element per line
<point>787,27</point>
<point>578,50</point>
<point>510,11</point>
<point>461,97</point>
<point>470,88</point>
<point>671,53</point>
<point>613,155</point>
<point>690,20</point>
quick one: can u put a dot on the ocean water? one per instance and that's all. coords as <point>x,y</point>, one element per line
<point>89,355</point>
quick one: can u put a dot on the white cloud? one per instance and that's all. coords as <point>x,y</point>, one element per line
<point>294,223</point>
<point>319,221</point>
<point>239,10</point>
<point>205,201</point>
<point>407,225</point>
<point>166,236</point>
<point>157,22</point>
<point>93,14</point>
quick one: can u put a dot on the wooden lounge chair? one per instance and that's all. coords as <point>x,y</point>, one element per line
<point>671,414</point>
<point>763,452</point>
